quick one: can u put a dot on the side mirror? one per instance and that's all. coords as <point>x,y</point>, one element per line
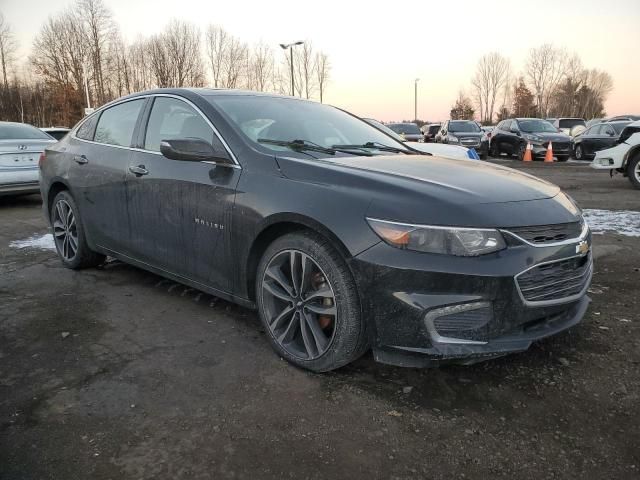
<point>192,150</point>
<point>516,131</point>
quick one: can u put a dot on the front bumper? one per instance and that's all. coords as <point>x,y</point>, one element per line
<point>540,150</point>
<point>407,292</point>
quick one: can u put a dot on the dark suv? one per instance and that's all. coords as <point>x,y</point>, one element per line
<point>409,131</point>
<point>430,131</point>
<point>466,133</point>
<point>511,137</point>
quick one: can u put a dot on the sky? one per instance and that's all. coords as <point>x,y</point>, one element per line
<point>378,48</point>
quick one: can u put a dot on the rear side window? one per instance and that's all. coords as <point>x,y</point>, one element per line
<point>116,124</point>
<point>174,119</point>
<point>86,130</point>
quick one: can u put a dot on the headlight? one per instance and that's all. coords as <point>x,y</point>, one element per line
<point>465,242</point>
<point>452,139</point>
<point>532,138</point>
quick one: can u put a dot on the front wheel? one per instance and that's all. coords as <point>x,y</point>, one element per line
<point>308,302</point>
<point>69,235</point>
<point>578,153</point>
<point>633,170</point>
<point>494,151</point>
<point>521,151</point>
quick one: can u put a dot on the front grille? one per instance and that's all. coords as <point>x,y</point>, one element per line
<point>556,280</point>
<point>558,146</point>
<point>541,234</point>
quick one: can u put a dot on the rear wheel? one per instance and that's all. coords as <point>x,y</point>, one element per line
<point>633,170</point>
<point>494,150</point>
<point>69,236</point>
<point>308,303</point>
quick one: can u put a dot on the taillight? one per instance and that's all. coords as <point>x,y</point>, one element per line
<point>41,160</point>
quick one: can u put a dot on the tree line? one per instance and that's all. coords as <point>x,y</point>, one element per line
<point>81,50</point>
<point>553,83</point>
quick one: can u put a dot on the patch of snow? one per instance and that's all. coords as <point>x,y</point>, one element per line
<point>624,222</point>
<point>39,242</point>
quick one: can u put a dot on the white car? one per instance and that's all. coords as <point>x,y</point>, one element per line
<point>439,149</point>
<point>624,157</point>
<point>20,149</point>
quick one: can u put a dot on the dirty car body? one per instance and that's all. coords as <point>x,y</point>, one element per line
<point>452,261</point>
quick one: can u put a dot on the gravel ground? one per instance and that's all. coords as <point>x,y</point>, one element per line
<point>115,373</point>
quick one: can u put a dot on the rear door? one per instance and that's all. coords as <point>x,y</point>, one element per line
<point>99,157</point>
<point>180,211</point>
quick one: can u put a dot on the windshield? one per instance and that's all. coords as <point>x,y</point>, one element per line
<point>401,128</point>
<point>463,127</point>
<point>619,126</point>
<point>571,122</point>
<point>535,125</point>
<point>433,129</point>
<point>19,131</point>
<point>288,119</point>
<point>384,128</point>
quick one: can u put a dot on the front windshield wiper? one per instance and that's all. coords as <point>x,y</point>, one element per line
<point>377,146</point>
<point>299,145</point>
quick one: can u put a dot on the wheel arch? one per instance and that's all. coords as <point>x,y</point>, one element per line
<point>631,153</point>
<point>277,226</point>
<point>56,186</point>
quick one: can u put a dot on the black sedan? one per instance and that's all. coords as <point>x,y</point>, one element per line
<point>597,137</point>
<point>512,136</point>
<point>340,237</point>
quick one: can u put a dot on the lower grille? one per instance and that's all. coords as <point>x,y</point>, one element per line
<point>469,324</point>
<point>556,280</point>
<point>558,146</point>
<point>541,234</point>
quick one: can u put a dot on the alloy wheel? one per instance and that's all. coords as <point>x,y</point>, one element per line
<point>299,304</point>
<point>636,172</point>
<point>578,152</point>
<point>65,230</point>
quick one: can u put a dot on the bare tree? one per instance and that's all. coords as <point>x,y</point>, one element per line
<point>492,73</point>
<point>8,48</point>
<point>216,41</point>
<point>323,69</point>
<point>305,68</point>
<point>261,66</point>
<point>174,56</point>
<point>545,69</point>
<point>97,28</point>
<point>234,64</point>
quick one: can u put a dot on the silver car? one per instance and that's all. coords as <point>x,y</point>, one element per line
<point>20,149</point>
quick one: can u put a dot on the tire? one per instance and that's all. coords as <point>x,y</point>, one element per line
<point>69,235</point>
<point>494,151</point>
<point>484,153</point>
<point>323,329</point>
<point>633,170</point>
<point>578,153</point>
<point>564,158</point>
<point>520,153</point>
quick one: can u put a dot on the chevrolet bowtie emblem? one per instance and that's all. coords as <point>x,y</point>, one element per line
<point>582,248</point>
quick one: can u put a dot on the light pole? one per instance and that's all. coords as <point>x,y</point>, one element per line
<point>290,46</point>
<point>415,99</point>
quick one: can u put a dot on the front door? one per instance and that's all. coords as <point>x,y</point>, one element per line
<point>180,211</point>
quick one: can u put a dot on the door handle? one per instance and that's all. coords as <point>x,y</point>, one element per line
<point>139,170</point>
<point>80,159</point>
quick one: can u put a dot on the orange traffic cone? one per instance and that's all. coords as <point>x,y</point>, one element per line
<point>527,154</point>
<point>549,155</point>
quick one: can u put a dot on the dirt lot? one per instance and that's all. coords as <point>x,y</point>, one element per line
<point>115,373</point>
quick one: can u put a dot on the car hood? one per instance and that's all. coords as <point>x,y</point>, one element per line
<point>476,182</point>
<point>551,136</point>
<point>441,149</point>
<point>467,134</point>
<point>432,190</point>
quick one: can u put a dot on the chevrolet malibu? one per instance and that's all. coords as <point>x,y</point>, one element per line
<point>340,237</point>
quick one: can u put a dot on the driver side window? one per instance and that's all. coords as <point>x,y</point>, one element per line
<point>171,119</point>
